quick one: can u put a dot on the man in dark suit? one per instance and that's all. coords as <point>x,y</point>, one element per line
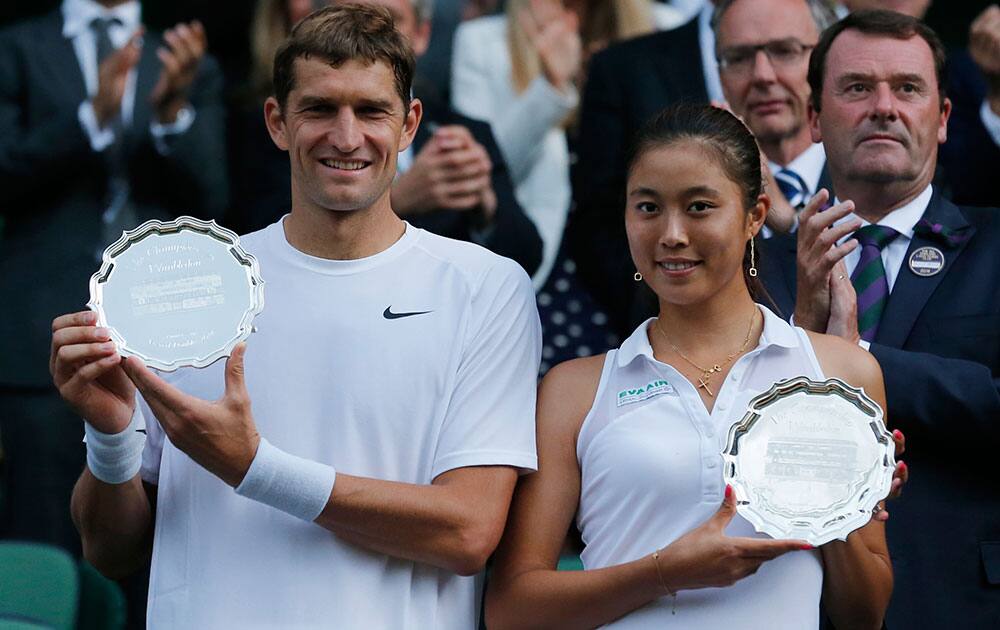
<point>763,48</point>
<point>100,129</point>
<point>918,286</point>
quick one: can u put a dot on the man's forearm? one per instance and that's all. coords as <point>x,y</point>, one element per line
<point>115,522</point>
<point>454,526</point>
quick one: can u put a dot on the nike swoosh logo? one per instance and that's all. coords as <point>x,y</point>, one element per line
<point>388,314</point>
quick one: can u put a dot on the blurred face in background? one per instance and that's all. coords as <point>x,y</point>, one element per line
<point>764,50</point>
<point>407,22</point>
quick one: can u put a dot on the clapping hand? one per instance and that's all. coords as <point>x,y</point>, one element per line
<point>817,256</point>
<point>451,171</point>
<point>111,76</point>
<point>186,45</point>
<point>554,33</point>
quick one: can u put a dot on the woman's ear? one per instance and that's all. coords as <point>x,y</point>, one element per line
<point>758,214</point>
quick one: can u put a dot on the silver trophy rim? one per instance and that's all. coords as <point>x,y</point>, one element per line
<point>155,226</point>
<point>841,523</point>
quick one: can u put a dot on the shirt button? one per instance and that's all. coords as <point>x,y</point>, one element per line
<point>721,405</point>
<point>711,464</point>
<point>709,433</point>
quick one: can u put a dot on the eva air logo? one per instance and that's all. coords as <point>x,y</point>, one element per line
<point>639,394</point>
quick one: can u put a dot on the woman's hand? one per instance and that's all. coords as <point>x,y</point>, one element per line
<point>899,478</point>
<point>554,32</point>
<point>706,557</point>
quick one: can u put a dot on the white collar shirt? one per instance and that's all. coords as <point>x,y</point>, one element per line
<point>808,165</point>
<point>710,66</point>
<point>903,220</point>
<point>651,470</point>
<point>77,16</point>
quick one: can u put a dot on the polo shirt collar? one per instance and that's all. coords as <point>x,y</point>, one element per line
<point>777,332</point>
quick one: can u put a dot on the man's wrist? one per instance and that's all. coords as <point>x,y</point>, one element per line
<point>294,485</point>
<point>115,458</point>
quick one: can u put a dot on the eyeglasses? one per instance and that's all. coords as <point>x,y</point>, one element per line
<point>782,53</point>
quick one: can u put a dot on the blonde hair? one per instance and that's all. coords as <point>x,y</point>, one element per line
<point>269,28</point>
<point>606,21</point>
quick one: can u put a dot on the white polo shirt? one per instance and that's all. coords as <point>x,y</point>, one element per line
<point>401,366</point>
<point>651,471</point>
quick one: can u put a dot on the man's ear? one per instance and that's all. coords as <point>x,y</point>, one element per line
<point>411,123</point>
<point>942,135</point>
<point>274,118</point>
<point>813,116</point>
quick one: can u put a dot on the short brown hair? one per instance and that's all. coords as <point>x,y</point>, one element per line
<point>342,33</point>
<point>875,22</point>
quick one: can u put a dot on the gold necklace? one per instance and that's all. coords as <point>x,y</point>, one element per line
<point>706,373</point>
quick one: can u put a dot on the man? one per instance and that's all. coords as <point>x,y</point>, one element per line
<point>926,304</point>
<point>102,126</point>
<point>453,181</point>
<point>763,49</point>
<point>392,384</point>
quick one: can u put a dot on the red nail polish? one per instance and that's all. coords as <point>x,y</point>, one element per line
<point>898,434</point>
<point>807,547</point>
<point>902,464</point>
<point>729,491</point>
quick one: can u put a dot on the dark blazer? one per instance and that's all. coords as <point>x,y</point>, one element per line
<point>939,349</point>
<point>262,188</point>
<point>53,185</point>
<point>626,85</point>
<point>970,159</point>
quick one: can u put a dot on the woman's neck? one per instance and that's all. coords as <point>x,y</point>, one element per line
<point>708,330</point>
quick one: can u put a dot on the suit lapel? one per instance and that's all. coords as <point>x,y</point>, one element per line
<point>58,54</point>
<point>910,292</point>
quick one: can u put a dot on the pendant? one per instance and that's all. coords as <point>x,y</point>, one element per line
<point>703,383</point>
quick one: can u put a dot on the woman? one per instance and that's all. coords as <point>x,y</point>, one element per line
<point>644,478</point>
<point>520,72</point>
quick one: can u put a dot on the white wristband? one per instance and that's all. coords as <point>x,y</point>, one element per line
<point>298,486</point>
<point>115,457</point>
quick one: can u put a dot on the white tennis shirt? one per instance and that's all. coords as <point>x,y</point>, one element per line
<point>651,471</point>
<point>338,373</point>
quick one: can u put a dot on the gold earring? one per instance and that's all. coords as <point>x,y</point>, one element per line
<point>637,276</point>
<point>753,263</point>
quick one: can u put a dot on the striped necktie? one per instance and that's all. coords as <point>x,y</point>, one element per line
<point>792,187</point>
<point>869,278</point>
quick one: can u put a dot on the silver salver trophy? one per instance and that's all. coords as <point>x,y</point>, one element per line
<point>810,460</point>
<point>177,293</point>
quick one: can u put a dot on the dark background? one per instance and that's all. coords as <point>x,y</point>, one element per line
<point>228,23</point>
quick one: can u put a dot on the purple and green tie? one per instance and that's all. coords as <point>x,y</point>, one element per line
<point>869,278</point>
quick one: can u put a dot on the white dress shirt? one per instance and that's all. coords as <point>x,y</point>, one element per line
<point>709,64</point>
<point>77,17</point>
<point>808,165</point>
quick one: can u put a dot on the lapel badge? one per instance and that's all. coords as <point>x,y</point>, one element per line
<point>926,261</point>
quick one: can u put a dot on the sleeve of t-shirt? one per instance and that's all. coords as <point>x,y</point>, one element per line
<point>491,415</point>
<point>150,469</point>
